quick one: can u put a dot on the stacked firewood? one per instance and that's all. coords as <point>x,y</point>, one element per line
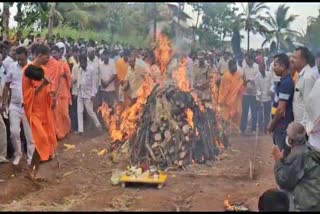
<point>168,136</point>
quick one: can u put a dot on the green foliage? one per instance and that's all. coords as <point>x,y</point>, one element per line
<point>312,36</point>
<point>66,31</point>
<point>31,13</point>
<point>217,23</point>
<point>253,19</point>
<point>130,22</point>
<point>280,31</point>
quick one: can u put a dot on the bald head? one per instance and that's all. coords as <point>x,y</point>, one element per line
<point>296,133</point>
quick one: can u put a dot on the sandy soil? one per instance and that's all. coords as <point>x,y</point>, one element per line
<point>82,183</point>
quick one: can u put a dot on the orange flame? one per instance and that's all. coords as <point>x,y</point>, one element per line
<point>122,127</point>
<point>189,113</point>
<point>227,205</point>
<point>180,76</point>
<point>163,52</point>
<point>183,83</point>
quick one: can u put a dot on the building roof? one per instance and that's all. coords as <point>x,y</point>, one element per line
<point>175,8</point>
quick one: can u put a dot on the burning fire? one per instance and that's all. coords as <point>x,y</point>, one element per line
<point>183,83</point>
<point>122,127</point>
<point>163,52</point>
<point>189,113</point>
<point>180,76</point>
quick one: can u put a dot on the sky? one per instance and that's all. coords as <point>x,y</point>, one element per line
<point>304,10</point>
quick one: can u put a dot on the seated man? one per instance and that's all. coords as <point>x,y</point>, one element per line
<point>299,172</point>
<point>273,200</point>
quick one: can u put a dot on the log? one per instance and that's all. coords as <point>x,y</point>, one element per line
<point>187,139</point>
<point>154,128</point>
<point>157,137</point>
<point>167,134</point>
<point>150,152</point>
<point>182,155</point>
<point>171,150</point>
<point>186,129</point>
<point>155,145</point>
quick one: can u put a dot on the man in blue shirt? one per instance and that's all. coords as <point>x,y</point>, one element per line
<point>282,113</point>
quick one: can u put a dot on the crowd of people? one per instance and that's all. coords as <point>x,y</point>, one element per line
<point>46,85</point>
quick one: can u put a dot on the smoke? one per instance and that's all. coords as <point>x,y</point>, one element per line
<point>180,47</point>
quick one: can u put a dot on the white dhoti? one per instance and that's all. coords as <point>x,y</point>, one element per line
<point>16,116</point>
<point>88,104</point>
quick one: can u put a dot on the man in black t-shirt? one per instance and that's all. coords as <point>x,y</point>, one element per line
<point>282,113</point>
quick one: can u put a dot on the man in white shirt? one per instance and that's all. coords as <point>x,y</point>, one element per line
<point>3,129</point>
<point>250,71</point>
<point>307,78</point>
<point>2,73</point>
<point>263,84</point>
<point>11,58</point>
<point>87,90</point>
<point>314,67</point>
<point>108,79</point>
<point>16,110</point>
<point>313,111</point>
<point>93,62</point>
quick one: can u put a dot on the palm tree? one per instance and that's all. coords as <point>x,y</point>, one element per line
<point>280,27</point>
<point>312,19</point>
<point>253,19</point>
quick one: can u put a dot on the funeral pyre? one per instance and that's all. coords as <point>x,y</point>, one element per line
<point>168,125</point>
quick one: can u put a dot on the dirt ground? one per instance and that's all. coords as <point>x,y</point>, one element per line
<point>82,183</point>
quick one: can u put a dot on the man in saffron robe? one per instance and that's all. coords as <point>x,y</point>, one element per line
<point>37,105</point>
<point>122,66</point>
<point>62,97</point>
<point>230,94</point>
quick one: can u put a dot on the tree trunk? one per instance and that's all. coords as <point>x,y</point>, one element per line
<point>19,15</point>
<point>248,39</point>
<point>198,15</point>
<point>278,43</point>
<point>5,20</point>
<point>155,22</point>
<point>51,19</point>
